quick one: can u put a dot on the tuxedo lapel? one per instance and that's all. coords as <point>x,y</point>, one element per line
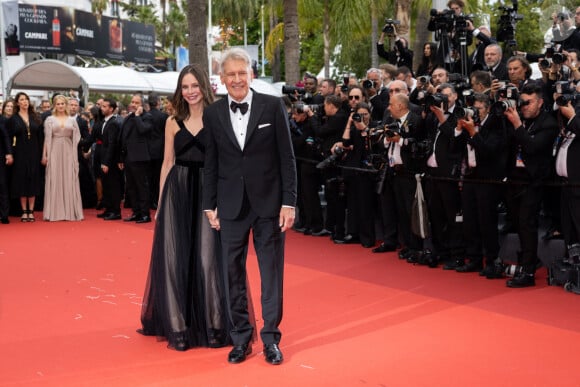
<point>255,114</point>
<point>226,122</point>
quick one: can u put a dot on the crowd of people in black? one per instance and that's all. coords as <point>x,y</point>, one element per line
<point>473,129</point>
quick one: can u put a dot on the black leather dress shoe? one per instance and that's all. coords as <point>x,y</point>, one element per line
<point>273,354</point>
<point>132,218</point>
<point>384,248</point>
<point>112,216</point>
<point>143,219</point>
<point>323,232</point>
<point>103,214</point>
<point>469,267</point>
<point>496,271</point>
<point>307,231</point>
<point>4,220</point>
<point>239,353</point>
<point>453,264</point>
<point>522,280</point>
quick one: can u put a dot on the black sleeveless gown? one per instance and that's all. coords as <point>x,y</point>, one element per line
<point>185,298</point>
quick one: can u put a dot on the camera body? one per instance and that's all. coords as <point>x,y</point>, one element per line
<point>368,84</point>
<point>438,99</point>
<point>510,98</point>
<point>464,113</point>
<point>301,108</point>
<point>338,154</point>
<point>389,27</point>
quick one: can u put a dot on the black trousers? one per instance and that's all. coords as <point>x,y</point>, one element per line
<point>570,214</point>
<point>311,178</point>
<point>269,246</point>
<point>4,198</point>
<point>112,190</point>
<point>404,187</point>
<point>480,219</point>
<point>444,204</point>
<point>137,186</point>
<point>524,203</point>
<point>360,205</point>
<point>154,175</point>
<point>388,211</point>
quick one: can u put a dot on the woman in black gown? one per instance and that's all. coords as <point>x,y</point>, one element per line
<point>27,182</point>
<point>185,300</point>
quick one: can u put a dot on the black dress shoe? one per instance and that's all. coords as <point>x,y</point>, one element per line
<point>299,229</point>
<point>323,232</point>
<point>103,214</point>
<point>308,231</point>
<point>132,218</point>
<point>470,267</point>
<point>384,248</point>
<point>143,219</point>
<point>273,354</point>
<point>112,216</point>
<point>238,353</point>
<point>521,280</point>
<point>453,264</point>
<point>4,220</point>
<point>404,253</point>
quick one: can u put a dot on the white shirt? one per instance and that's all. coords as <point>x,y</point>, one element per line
<point>239,120</point>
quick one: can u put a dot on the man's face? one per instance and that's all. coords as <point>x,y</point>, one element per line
<point>73,106</point>
<point>135,104</point>
<point>310,85</point>
<point>516,71</point>
<point>325,89</point>
<point>572,60</point>
<point>492,56</point>
<point>577,17</point>
<point>355,96</point>
<point>329,109</point>
<point>236,77</point>
<point>456,8</point>
<point>477,86</point>
<point>398,87</point>
<point>106,108</point>
<point>482,110</point>
<point>299,117</point>
<point>439,76</point>
<point>532,108</point>
<point>45,106</point>
<point>451,96</point>
<point>395,108</point>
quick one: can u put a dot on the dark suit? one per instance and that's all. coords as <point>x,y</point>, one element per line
<point>479,200</point>
<point>110,154</point>
<point>477,57</point>
<point>533,144</point>
<point>135,156</point>
<point>248,188</point>
<point>379,103</point>
<point>156,143</point>
<point>402,56</point>
<point>5,149</point>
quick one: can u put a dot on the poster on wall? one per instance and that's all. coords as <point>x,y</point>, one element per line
<point>10,24</point>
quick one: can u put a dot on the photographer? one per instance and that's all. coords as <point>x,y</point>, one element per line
<point>530,164</point>
<point>444,163</point>
<point>450,27</point>
<point>307,148</point>
<point>485,158</point>
<point>329,133</point>
<point>356,142</point>
<point>400,55</point>
<point>378,95</point>
<point>312,96</point>
<point>484,39</point>
<point>565,33</point>
<point>402,136</point>
<point>428,85</point>
<point>567,161</point>
<point>493,59</point>
<point>481,82</point>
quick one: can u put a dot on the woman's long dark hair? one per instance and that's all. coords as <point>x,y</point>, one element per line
<point>179,103</point>
<point>31,112</point>
<point>429,63</point>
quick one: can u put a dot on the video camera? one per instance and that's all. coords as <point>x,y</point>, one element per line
<point>506,31</point>
<point>389,27</point>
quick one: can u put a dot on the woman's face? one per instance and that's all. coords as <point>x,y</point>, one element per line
<point>23,103</point>
<point>190,89</point>
<point>60,106</point>
<point>8,109</point>
<point>427,50</point>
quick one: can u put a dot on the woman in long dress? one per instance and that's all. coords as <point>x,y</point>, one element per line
<point>25,127</point>
<point>185,300</point>
<point>62,196</point>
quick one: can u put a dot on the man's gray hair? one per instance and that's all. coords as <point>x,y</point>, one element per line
<point>235,54</point>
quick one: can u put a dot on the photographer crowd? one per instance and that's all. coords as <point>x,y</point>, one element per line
<point>473,131</point>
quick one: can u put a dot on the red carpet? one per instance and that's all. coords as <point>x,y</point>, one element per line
<point>70,298</point>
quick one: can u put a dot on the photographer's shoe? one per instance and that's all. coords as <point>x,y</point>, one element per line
<point>453,264</point>
<point>470,267</point>
<point>521,280</point>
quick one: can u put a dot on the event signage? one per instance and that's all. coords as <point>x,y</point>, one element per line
<point>65,30</point>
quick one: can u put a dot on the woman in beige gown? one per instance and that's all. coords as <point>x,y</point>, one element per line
<point>62,196</point>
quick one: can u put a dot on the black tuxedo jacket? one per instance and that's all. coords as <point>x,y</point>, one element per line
<point>490,146</point>
<point>157,135</point>
<point>448,149</point>
<point>264,171</point>
<point>536,143</point>
<point>5,143</point>
<point>405,57</point>
<point>83,126</point>
<point>412,131</point>
<point>134,133</point>
<point>109,137</point>
<point>573,155</point>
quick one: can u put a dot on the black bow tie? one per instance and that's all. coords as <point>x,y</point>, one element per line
<point>242,106</point>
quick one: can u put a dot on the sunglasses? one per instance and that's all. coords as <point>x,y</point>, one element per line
<point>357,97</point>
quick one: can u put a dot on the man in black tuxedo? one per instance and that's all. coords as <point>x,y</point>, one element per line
<point>135,159</point>
<point>485,160</point>
<point>530,164</point>
<point>156,143</point>
<point>494,62</point>
<point>87,185</point>
<point>250,185</point>
<point>108,140</point>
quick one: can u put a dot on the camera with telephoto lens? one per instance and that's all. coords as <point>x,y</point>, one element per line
<point>464,113</point>
<point>389,27</point>
<point>368,84</point>
<point>510,98</point>
<point>564,87</point>
<point>337,154</point>
<point>438,99</point>
<point>301,108</point>
<point>563,99</point>
<point>424,79</point>
<point>293,89</point>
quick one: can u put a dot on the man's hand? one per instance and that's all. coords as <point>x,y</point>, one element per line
<point>513,116</point>
<point>214,221</point>
<point>287,215</point>
<point>568,110</point>
<point>439,113</point>
<point>105,169</point>
<point>9,159</point>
